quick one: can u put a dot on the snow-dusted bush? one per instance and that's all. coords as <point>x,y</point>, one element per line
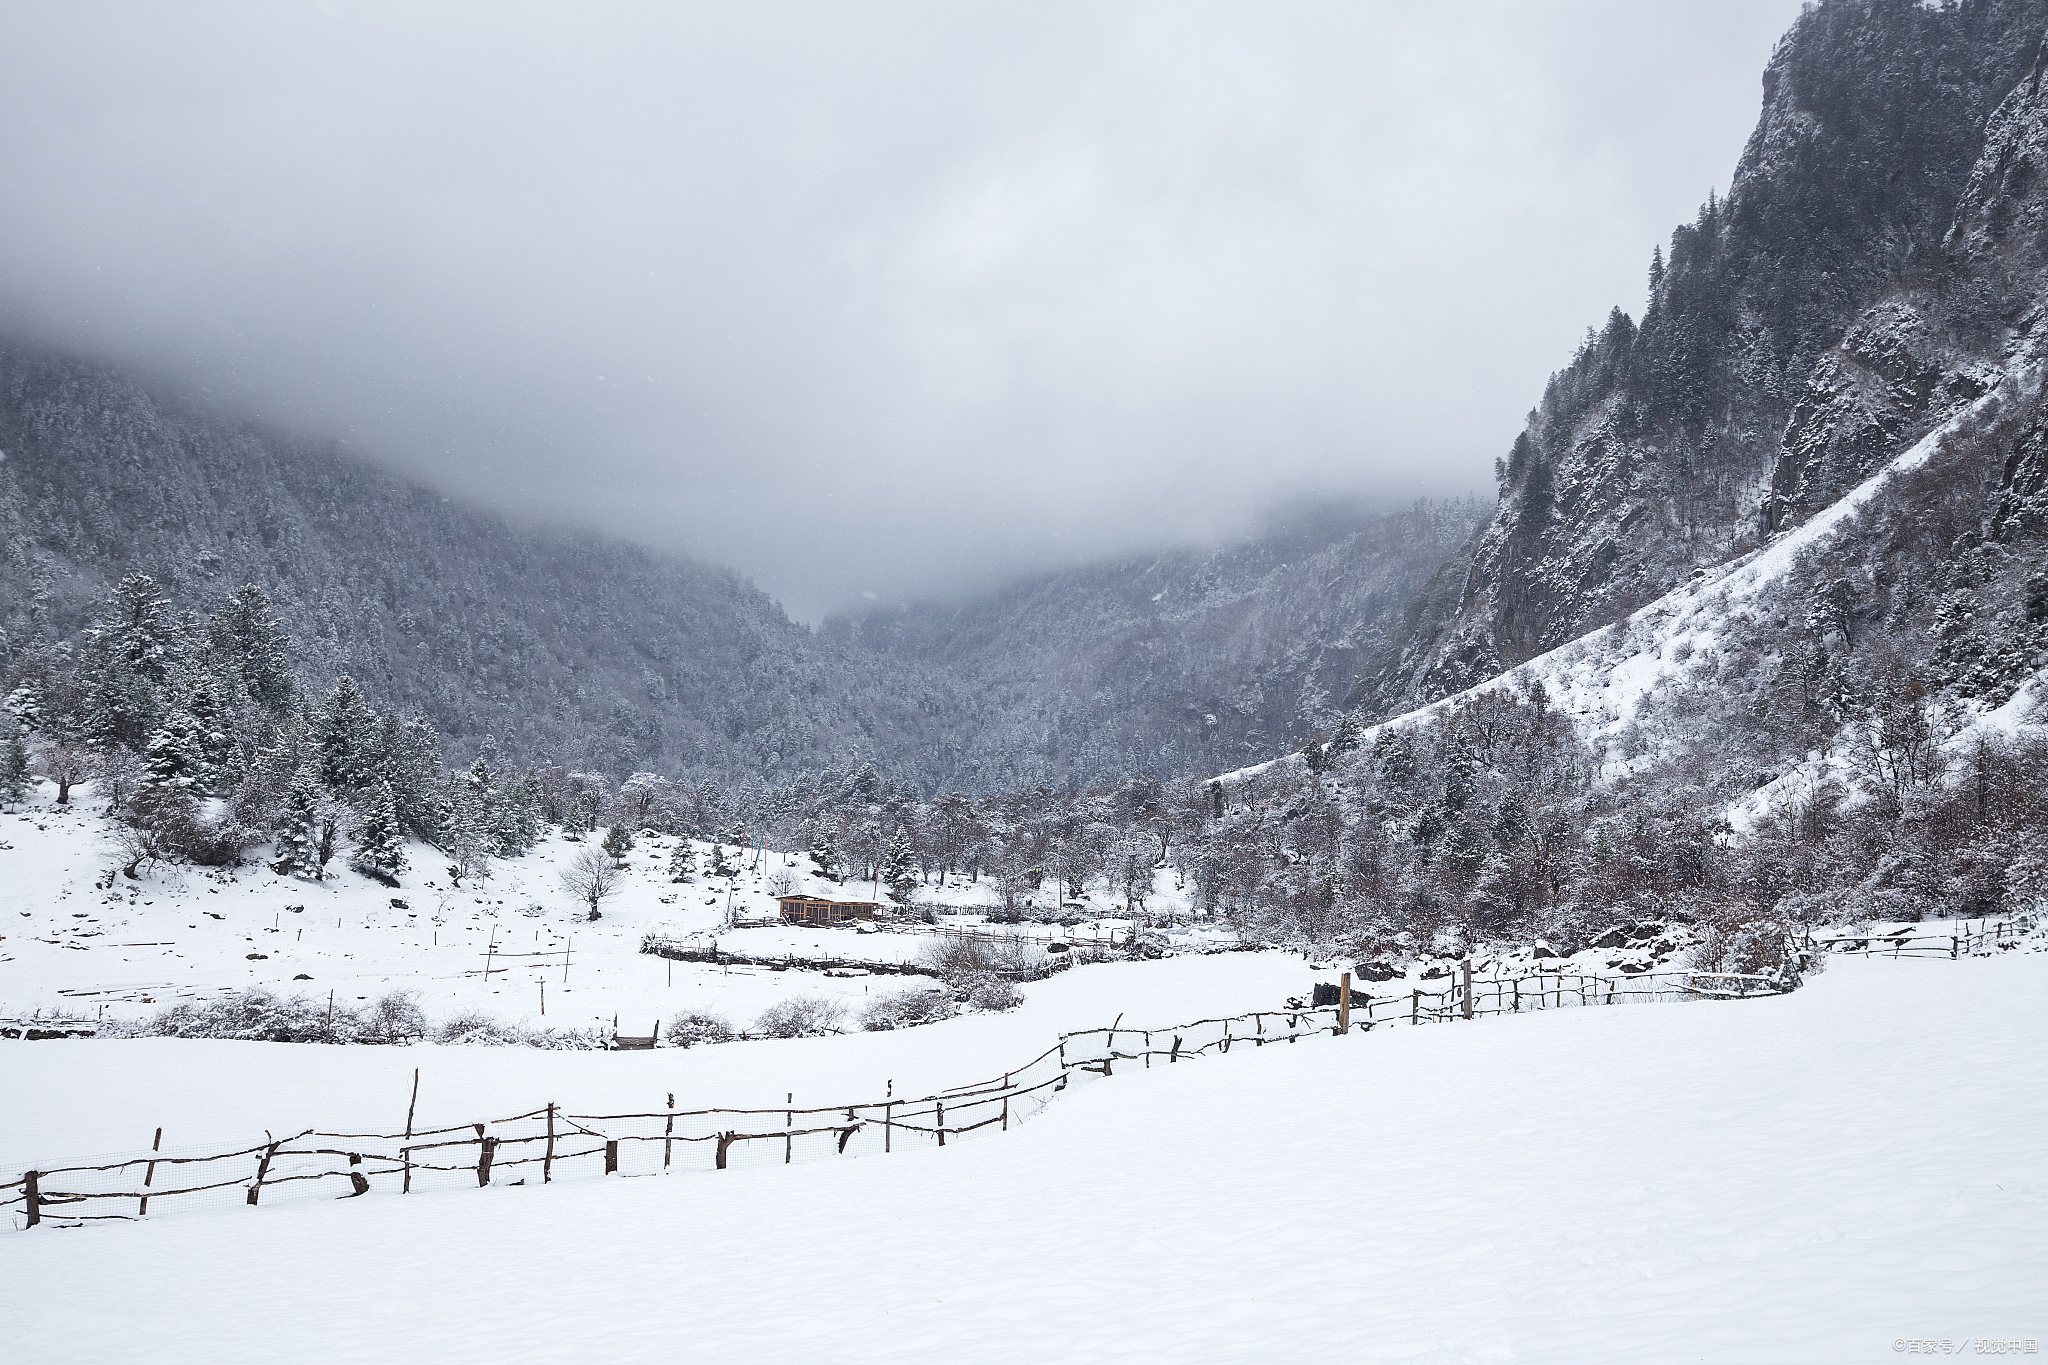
<point>987,991</point>
<point>473,1028</point>
<point>692,1027</point>
<point>396,1017</point>
<point>802,1016</point>
<point>255,1015</point>
<point>907,1009</point>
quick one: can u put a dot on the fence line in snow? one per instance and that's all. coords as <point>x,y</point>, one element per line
<point>666,1139</point>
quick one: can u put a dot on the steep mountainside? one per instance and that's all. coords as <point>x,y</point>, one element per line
<point>593,654</point>
<point>1802,331</point>
<point>581,650</point>
<point>1175,662</point>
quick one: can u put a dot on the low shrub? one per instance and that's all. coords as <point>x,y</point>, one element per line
<point>803,1016</point>
<point>987,991</point>
<point>907,1009</point>
<point>690,1028</point>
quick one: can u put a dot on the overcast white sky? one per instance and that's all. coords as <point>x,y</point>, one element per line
<point>889,298</point>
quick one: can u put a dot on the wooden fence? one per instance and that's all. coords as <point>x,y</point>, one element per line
<point>1909,941</point>
<point>551,1143</point>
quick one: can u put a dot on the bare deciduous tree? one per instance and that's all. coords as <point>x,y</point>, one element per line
<point>592,879</point>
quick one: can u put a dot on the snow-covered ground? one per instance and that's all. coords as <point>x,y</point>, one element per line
<point>1822,1176</point>
<point>76,937</point>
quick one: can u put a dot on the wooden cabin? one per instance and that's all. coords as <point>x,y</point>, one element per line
<point>811,910</point>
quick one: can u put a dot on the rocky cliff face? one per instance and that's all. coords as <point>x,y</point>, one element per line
<point>1863,279</point>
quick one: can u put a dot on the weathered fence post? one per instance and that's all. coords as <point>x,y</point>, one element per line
<point>1174,1056</point>
<point>611,1156</point>
<point>888,1126</point>
<point>1343,1003</point>
<point>1415,1006</point>
<point>547,1160</point>
<point>149,1175</point>
<point>406,1151</point>
<point>487,1151</point>
<point>32,1197</point>
<point>942,1122</point>
<point>788,1122</point>
<point>262,1172</point>
<point>668,1134</point>
<point>724,1141</point>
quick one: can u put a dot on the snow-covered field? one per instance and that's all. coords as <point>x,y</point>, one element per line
<point>1814,1177</point>
<point>77,938</point>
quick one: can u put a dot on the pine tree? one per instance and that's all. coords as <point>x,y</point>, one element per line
<point>899,865</point>
<point>298,832</point>
<point>248,634</point>
<point>128,658</point>
<point>1461,772</point>
<point>1346,737</point>
<point>618,843</point>
<point>824,854</point>
<point>380,842</point>
<point>682,862</point>
<point>343,734</point>
<point>175,755</point>
<point>13,768</point>
<point>466,837</point>
<point>720,866</point>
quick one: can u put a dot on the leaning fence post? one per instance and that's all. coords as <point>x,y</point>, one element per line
<point>262,1171</point>
<point>1467,966</point>
<point>487,1148</point>
<point>149,1175</point>
<point>411,1105</point>
<point>32,1197</point>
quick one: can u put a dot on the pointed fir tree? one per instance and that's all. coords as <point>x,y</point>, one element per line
<point>682,862</point>
<point>1346,737</point>
<point>618,843</point>
<point>824,854</point>
<point>899,865</point>
<point>13,767</point>
<point>466,836</point>
<point>298,832</point>
<point>720,867</point>
<point>344,730</point>
<point>380,842</point>
<point>175,756</point>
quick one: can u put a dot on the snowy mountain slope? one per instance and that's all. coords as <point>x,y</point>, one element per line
<point>1825,1176</point>
<point>1804,330</point>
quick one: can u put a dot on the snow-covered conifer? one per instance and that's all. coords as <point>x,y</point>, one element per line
<point>380,842</point>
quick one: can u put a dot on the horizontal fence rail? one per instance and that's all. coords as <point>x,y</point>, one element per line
<point>550,1143</point>
<point>1911,942</point>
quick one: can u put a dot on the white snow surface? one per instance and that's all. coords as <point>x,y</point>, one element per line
<point>1813,1177</point>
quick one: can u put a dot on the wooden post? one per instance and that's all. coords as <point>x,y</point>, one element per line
<point>724,1141</point>
<point>942,1122</point>
<point>1518,995</point>
<point>262,1172</point>
<point>327,1033</point>
<point>1344,1003</point>
<point>1415,1005</point>
<point>1467,965</point>
<point>888,1125</point>
<point>150,1174</point>
<point>487,1151</point>
<point>1174,1056</point>
<point>788,1122</point>
<point>543,997</point>
<point>547,1160</point>
<point>611,1156</point>
<point>406,1188</point>
<point>668,1134</point>
<point>32,1197</point>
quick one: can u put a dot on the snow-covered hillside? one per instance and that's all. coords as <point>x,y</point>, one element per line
<point>78,939</point>
<point>1824,1176</point>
